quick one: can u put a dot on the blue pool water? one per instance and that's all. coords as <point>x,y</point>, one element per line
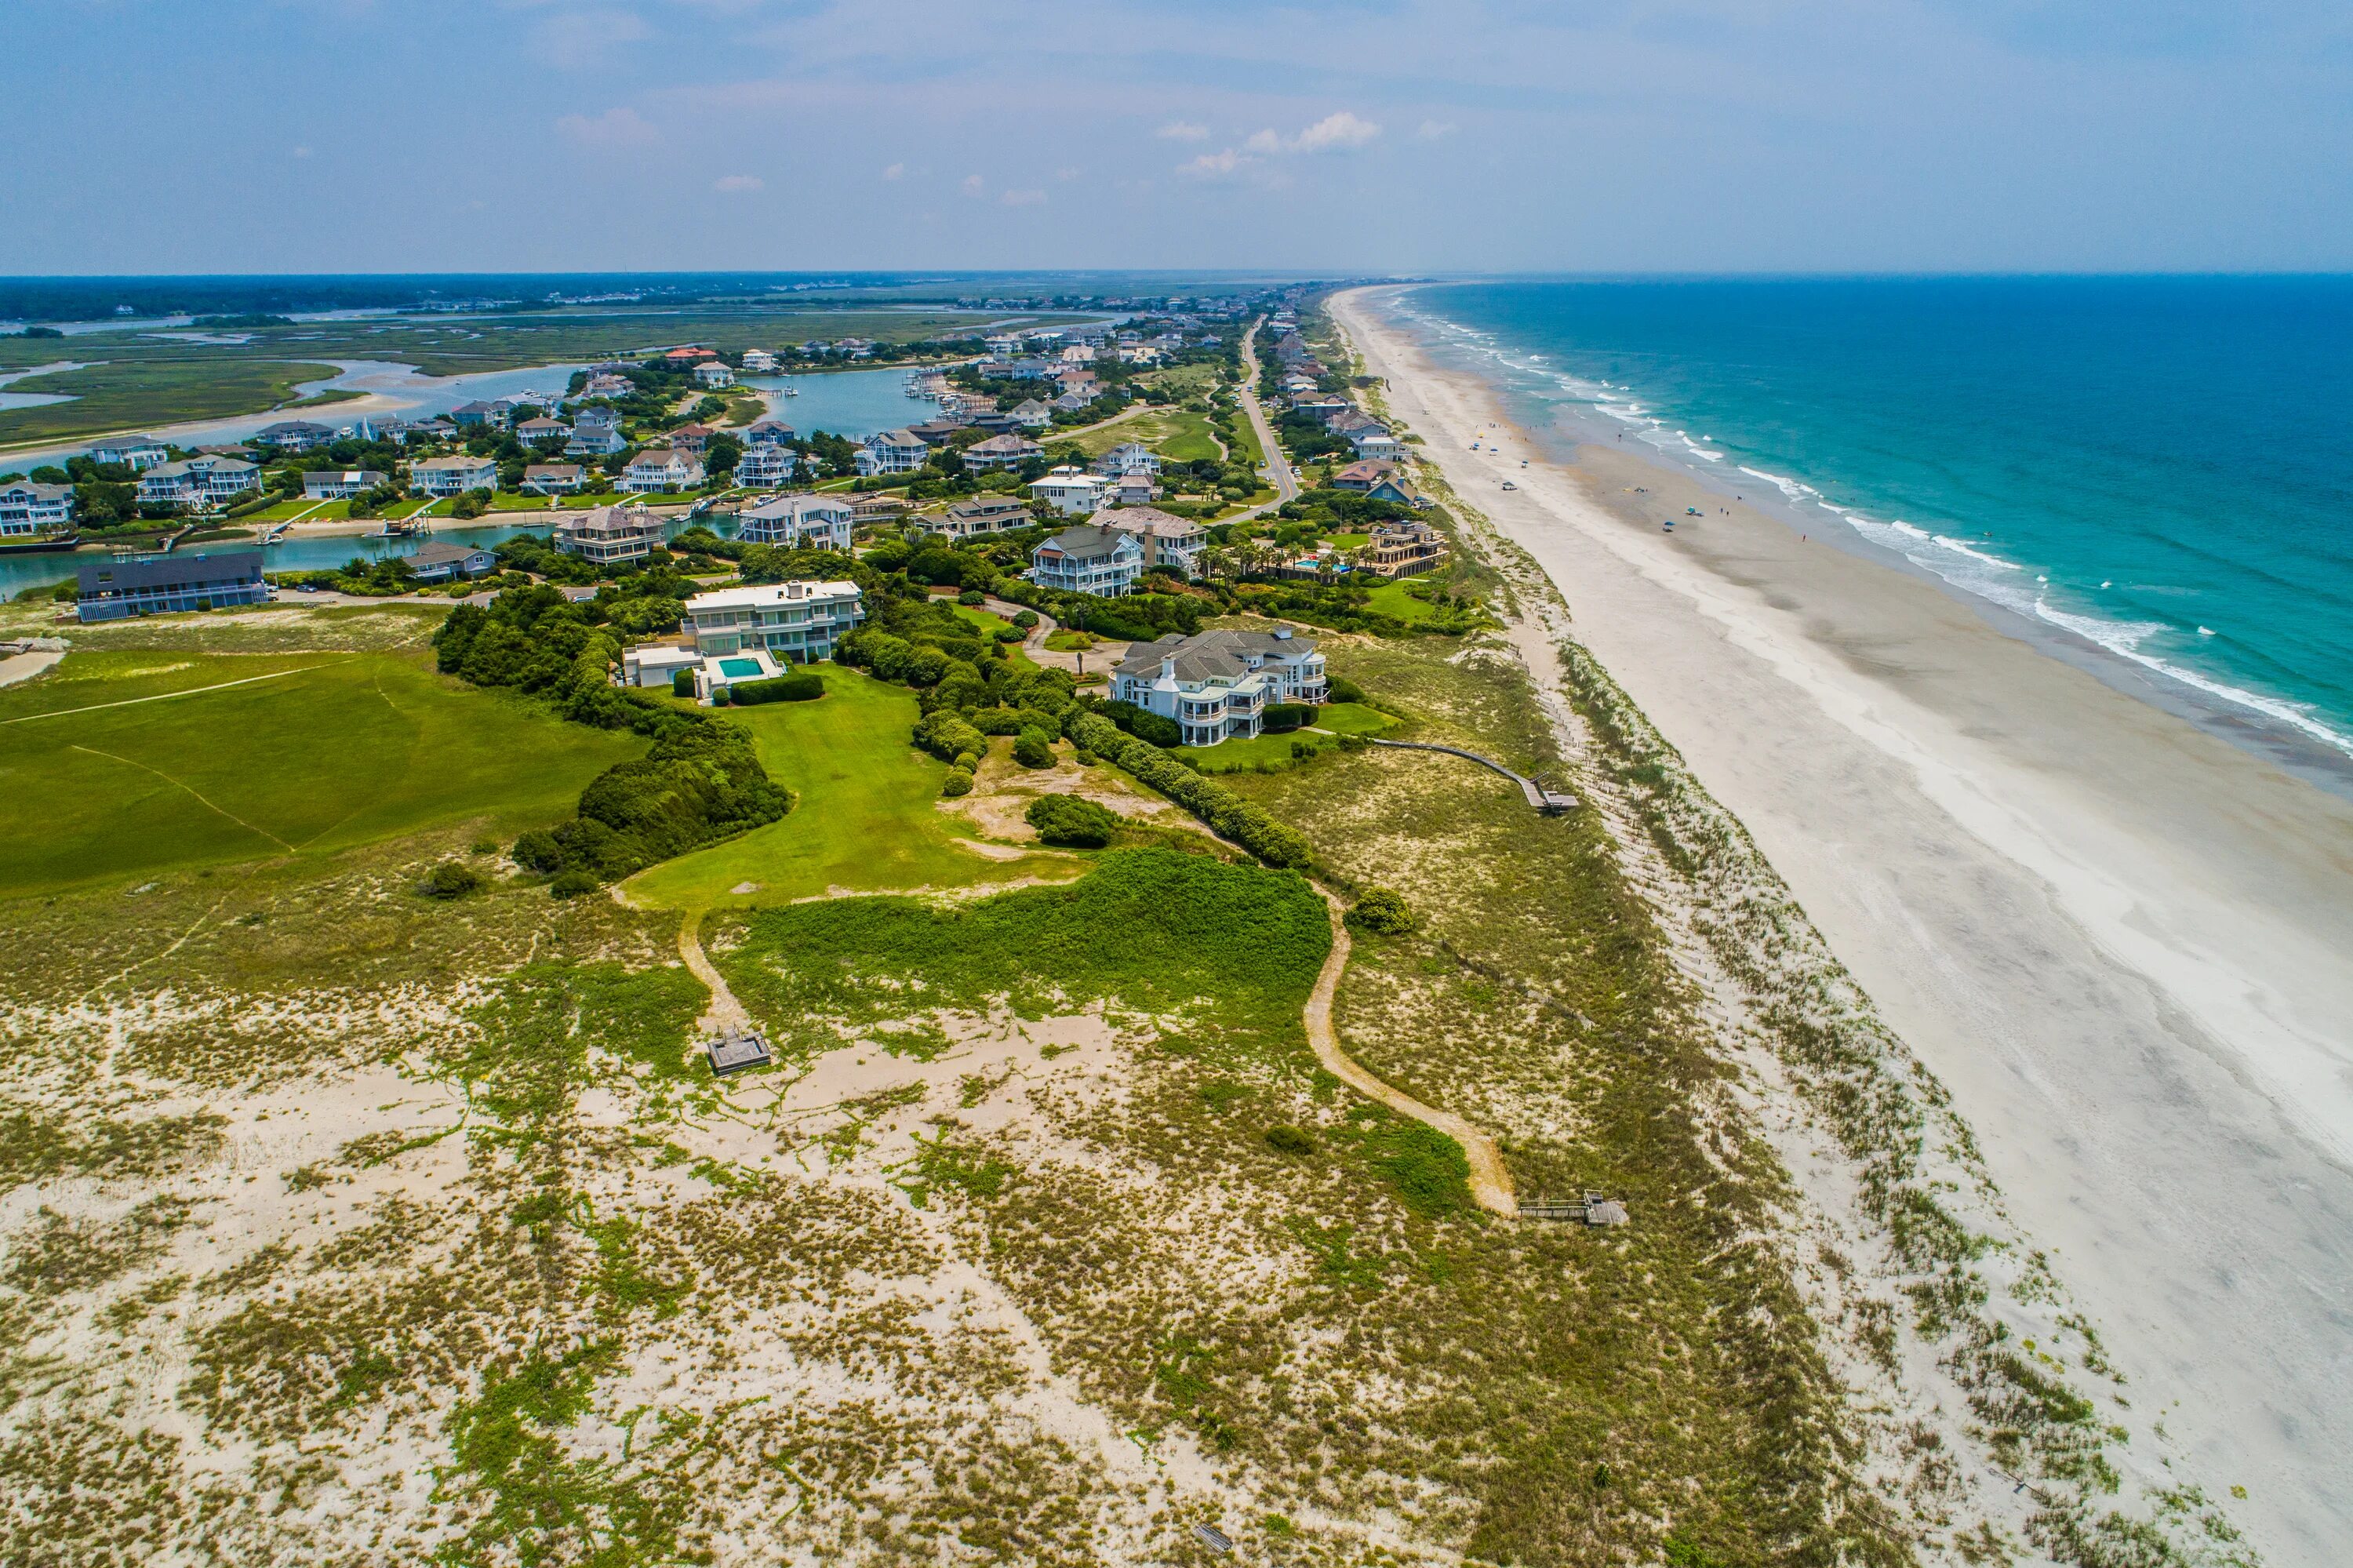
<point>2161,467</point>
<point>736,668</point>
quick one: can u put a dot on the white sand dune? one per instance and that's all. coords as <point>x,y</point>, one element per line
<point>2125,945</point>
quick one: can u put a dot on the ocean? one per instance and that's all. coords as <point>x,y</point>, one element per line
<point>2160,467</point>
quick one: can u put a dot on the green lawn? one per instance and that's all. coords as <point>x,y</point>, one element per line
<point>1173,433</point>
<point>987,623</point>
<point>336,750</point>
<point>1392,599</point>
<point>1244,756</point>
<point>1183,380</point>
<point>864,820</point>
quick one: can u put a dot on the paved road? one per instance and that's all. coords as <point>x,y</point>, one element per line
<point>1278,467</point>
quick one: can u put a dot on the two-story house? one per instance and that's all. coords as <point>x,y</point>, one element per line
<point>1217,685</point>
<point>200,481</point>
<point>1169,541</point>
<point>1068,489</point>
<point>1128,457</point>
<point>1002,451</point>
<point>134,452</point>
<point>799,521</point>
<point>294,435</point>
<point>26,508</point>
<point>553,478</point>
<point>662,468</point>
<point>891,451</point>
<point>454,475</point>
<point>982,515</point>
<point>335,483</point>
<point>1087,559</point>
<point>793,622</point>
<point>595,433</point>
<point>530,432</point>
<point>609,534</point>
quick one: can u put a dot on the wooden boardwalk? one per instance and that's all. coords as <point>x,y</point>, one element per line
<point>1552,804</point>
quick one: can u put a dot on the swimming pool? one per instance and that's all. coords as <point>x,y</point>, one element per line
<point>736,668</point>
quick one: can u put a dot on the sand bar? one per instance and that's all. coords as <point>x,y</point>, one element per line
<point>2126,946</point>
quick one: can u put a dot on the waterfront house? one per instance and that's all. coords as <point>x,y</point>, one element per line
<point>335,483</point>
<point>688,355</point>
<point>453,476</point>
<point>26,508</point>
<point>1362,475</point>
<point>936,433</point>
<point>441,562</point>
<point>608,385</point>
<point>294,435</point>
<point>1032,415</point>
<point>609,534</point>
<point>662,468</point>
<point>1396,489</point>
<point>1087,559</point>
<point>381,428</point>
<point>657,664</point>
<point>692,438</point>
<point>798,521</point>
<point>793,622</point>
<point>1379,445</point>
<point>765,467</point>
<point>759,362</point>
<point>1217,685</point>
<point>553,478</point>
<point>200,481</point>
<point>1401,549</point>
<point>530,432</point>
<point>982,515</point>
<point>767,432</point>
<point>713,374</point>
<point>134,452</point>
<point>126,585</point>
<point>1169,541</point>
<point>592,438</point>
<point>1002,451</point>
<point>432,431</point>
<point>891,451</point>
<point>475,415</point>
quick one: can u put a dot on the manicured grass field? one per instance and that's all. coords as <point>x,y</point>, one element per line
<point>864,820</point>
<point>332,750</point>
<point>1173,433</point>
<point>988,621</point>
<point>1392,599</point>
<point>1244,756</point>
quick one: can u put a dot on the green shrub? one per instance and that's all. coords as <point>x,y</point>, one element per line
<point>1383,912</point>
<point>1281,719</point>
<point>486,846</point>
<point>968,760</point>
<point>1291,1140</point>
<point>1244,821</point>
<point>1143,723</point>
<point>1340,689</point>
<point>957,782</point>
<point>946,734</point>
<point>1072,822</point>
<point>1034,748</point>
<point>797,686</point>
<point>573,884</point>
<point>682,683</point>
<point>972,596</point>
<point>1025,620</point>
<point>454,879</point>
<point>538,851</point>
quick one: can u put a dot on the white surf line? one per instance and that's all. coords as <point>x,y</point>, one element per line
<point>232,816</point>
<point>191,692</point>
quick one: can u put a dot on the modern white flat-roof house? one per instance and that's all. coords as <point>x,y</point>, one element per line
<point>795,621</point>
<point>1168,540</point>
<point>553,478</point>
<point>891,451</point>
<point>454,475</point>
<point>1217,685</point>
<point>1072,489</point>
<point>982,515</point>
<point>656,663</point>
<point>134,452</point>
<point>662,468</point>
<point>801,522</point>
<point>26,508</point>
<point>711,372</point>
<point>1087,559</point>
<point>335,483</point>
<point>609,535</point>
<point>765,467</point>
<point>1002,451</point>
<point>759,362</point>
<point>1379,445</point>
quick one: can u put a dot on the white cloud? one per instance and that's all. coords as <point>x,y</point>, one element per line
<point>1432,130</point>
<point>895,171</point>
<point>737,182</point>
<point>1266,143</point>
<point>1215,165</point>
<point>620,126</point>
<point>974,185</point>
<point>1023,198</point>
<point>1183,131</point>
<point>1337,130</point>
<point>575,38</point>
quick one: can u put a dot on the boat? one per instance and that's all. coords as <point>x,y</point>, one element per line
<point>1509,485</point>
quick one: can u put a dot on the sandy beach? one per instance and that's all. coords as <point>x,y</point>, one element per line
<point>2120,942</point>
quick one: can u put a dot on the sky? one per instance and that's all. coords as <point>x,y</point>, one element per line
<point>177,136</point>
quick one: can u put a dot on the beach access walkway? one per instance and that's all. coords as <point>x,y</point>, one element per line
<point>1551,802</point>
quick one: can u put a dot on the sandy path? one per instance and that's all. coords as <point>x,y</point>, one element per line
<point>24,666</point>
<point>2120,942</point>
<point>1490,1183</point>
<point>724,1013</point>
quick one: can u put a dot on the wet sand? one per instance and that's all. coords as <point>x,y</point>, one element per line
<point>2125,945</point>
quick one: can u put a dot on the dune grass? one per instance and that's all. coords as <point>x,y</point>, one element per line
<point>863,818</point>
<point>327,751</point>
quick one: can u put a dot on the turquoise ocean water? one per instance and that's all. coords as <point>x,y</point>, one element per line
<point>2156,472</point>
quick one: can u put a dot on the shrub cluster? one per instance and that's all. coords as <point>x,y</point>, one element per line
<point>1244,821</point>
<point>797,686</point>
<point>1383,912</point>
<point>1072,822</point>
<point>948,736</point>
<point>1143,723</point>
<point>1281,719</point>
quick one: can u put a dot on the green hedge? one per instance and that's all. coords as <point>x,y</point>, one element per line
<point>943,733</point>
<point>1244,821</point>
<point>799,686</point>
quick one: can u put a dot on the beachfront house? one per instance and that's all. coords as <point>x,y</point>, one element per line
<point>1071,490</point>
<point>766,467</point>
<point>1169,542</point>
<point>1087,559</point>
<point>795,622</point>
<point>1401,549</point>
<point>294,435</point>
<point>1378,445</point>
<point>134,452</point>
<point>553,478</point>
<point>123,586</point>
<point>335,483</point>
<point>1217,685</point>
<point>453,476</point>
<point>439,563</point>
<point>1002,451</point>
<point>609,535</point>
<point>891,451</point>
<point>662,468</point>
<point>982,515</point>
<point>657,664</point>
<point>713,374</point>
<point>200,481</point>
<point>1361,476</point>
<point>798,521</point>
<point>26,508</point>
